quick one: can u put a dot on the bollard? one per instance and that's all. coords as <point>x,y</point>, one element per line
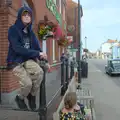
<point>62,78</point>
<point>42,99</point>
<point>66,80</point>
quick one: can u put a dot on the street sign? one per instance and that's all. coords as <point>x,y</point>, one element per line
<point>73,50</point>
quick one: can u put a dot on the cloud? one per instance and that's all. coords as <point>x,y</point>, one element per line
<point>101,17</point>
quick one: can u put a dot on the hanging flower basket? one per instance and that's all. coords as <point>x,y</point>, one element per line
<point>57,32</point>
<point>63,42</point>
<point>45,30</point>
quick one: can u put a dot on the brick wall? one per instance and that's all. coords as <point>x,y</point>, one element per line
<point>7,18</point>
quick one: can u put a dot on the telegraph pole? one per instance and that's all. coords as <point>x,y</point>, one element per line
<point>79,42</point>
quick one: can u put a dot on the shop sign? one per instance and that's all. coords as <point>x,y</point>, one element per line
<point>52,7</point>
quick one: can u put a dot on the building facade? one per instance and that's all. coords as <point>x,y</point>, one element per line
<point>106,50</point>
<point>115,50</point>
<point>55,11</point>
<point>72,20</point>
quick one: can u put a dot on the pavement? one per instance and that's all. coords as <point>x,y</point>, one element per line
<point>53,81</point>
<point>105,89</point>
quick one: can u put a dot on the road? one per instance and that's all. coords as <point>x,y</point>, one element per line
<point>106,91</point>
<point>100,65</point>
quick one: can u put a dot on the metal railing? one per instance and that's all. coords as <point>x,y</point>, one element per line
<point>43,106</point>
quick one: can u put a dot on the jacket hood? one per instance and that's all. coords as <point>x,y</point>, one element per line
<point>19,22</point>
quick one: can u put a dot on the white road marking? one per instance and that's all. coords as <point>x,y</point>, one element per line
<point>95,70</point>
<point>98,70</point>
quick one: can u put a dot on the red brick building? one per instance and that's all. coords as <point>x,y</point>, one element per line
<point>72,20</point>
<point>56,12</point>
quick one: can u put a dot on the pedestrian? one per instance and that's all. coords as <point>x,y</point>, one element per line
<point>71,110</point>
<point>63,57</point>
<point>23,53</point>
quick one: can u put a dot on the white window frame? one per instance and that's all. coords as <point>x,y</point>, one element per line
<point>44,46</point>
<point>60,6</point>
<point>63,50</point>
<point>59,52</point>
<point>55,1</point>
<point>53,44</point>
<point>64,12</point>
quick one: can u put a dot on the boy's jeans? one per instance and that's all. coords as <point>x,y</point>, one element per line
<point>30,76</point>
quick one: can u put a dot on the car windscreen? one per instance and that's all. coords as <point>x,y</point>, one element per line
<point>115,63</point>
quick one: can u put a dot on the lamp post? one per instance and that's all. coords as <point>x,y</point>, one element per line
<point>85,42</point>
<point>79,42</point>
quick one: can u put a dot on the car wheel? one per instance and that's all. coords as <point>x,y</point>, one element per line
<point>106,72</point>
<point>110,74</point>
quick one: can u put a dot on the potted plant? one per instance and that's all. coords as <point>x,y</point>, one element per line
<point>44,31</point>
<point>63,41</point>
<point>45,28</point>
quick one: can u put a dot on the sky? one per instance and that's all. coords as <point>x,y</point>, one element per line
<point>100,21</point>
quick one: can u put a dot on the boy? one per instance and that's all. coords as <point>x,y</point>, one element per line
<point>24,51</point>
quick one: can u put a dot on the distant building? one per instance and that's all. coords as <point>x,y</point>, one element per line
<point>106,49</point>
<point>98,54</point>
<point>115,50</point>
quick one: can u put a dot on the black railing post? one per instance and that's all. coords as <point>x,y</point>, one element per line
<point>62,78</point>
<point>0,85</point>
<point>72,70</point>
<point>66,80</point>
<point>42,99</point>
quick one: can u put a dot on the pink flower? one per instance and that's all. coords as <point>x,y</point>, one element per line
<point>58,32</point>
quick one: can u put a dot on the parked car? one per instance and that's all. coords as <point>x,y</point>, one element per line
<point>113,67</point>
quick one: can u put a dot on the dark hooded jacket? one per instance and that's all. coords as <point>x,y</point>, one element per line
<point>17,53</point>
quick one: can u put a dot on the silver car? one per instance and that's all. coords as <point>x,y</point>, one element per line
<point>113,67</point>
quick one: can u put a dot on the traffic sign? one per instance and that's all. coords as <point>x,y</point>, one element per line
<point>73,50</point>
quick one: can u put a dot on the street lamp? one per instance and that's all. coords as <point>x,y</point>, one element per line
<point>79,42</point>
<point>85,42</point>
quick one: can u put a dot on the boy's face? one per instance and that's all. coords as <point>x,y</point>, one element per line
<point>26,17</point>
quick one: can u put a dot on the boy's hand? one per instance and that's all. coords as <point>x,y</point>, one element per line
<point>43,55</point>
